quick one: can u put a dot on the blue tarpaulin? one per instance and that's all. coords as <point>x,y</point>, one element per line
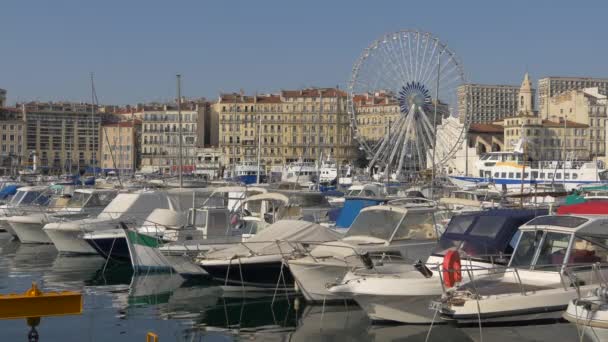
<point>352,207</point>
<point>8,190</point>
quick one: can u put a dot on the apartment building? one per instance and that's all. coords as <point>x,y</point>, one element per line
<point>12,138</point>
<point>486,103</point>
<point>64,136</point>
<point>120,146</point>
<point>161,131</point>
<point>2,98</point>
<point>288,126</point>
<point>551,86</point>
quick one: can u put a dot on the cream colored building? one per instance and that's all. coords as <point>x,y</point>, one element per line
<point>551,86</point>
<point>64,136</point>
<point>487,103</point>
<point>120,146</point>
<point>12,139</point>
<point>587,106</point>
<point>2,98</point>
<point>291,125</point>
<point>160,136</point>
<point>375,115</point>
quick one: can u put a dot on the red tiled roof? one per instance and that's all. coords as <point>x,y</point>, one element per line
<point>313,92</point>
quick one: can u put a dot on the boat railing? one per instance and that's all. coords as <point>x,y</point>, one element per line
<point>566,273</point>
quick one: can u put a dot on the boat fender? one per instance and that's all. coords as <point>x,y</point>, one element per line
<point>451,268</point>
<point>425,271</point>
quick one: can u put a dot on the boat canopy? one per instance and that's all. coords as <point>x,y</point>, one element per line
<point>487,232</point>
<point>8,190</point>
<point>393,223</point>
<point>281,237</point>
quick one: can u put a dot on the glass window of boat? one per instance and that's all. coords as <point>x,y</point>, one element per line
<point>17,197</point>
<point>587,251</point>
<point>305,200</point>
<point>560,221</point>
<point>34,197</point>
<point>553,251</point>
<point>78,200</point>
<point>218,220</point>
<point>524,253</point>
<point>197,218</point>
<point>377,223</point>
<point>416,226</point>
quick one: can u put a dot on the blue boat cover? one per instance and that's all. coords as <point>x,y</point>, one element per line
<point>8,191</point>
<point>485,232</point>
<point>352,207</point>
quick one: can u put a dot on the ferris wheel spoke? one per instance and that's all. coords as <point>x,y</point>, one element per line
<point>383,145</point>
<point>426,45</point>
<point>403,58</point>
<point>395,65</point>
<point>393,55</point>
<point>404,135</point>
<point>430,61</point>
<point>405,141</point>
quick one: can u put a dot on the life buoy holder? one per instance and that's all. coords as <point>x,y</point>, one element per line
<point>452,273</point>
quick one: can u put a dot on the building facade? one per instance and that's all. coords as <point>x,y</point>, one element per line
<point>551,86</point>
<point>2,98</point>
<point>375,115</point>
<point>289,126</point>
<point>587,106</point>
<point>64,136</point>
<point>486,103</point>
<point>12,138</point>
<point>160,136</point>
<point>120,146</point>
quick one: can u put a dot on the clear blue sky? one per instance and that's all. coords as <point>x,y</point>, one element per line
<point>135,47</point>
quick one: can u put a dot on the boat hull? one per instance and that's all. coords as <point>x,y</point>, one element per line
<point>30,232</point>
<point>260,274</point>
<point>114,248</point>
<point>312,279</point>
<point>69,241</point>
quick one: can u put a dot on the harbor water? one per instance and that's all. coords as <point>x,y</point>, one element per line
<point>120,306</point>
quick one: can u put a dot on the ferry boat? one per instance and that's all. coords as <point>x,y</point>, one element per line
<point>506,168</point>
<point>247,173</point>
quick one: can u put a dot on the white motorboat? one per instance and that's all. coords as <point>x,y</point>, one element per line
<point>401,293</point>
<point>259,262</point>
<point>381,233</point>
<point>24,198</point>
<point>67,236</point>
<point>590,314</point>
<point>471,200</point>
<point>81,204</point>
<point>538,283</point>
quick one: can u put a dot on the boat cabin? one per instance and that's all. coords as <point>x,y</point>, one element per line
<point>550,243</point>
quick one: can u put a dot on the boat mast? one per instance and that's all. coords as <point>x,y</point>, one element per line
<point>93,101</point>
<point>179,118</point>
<point>259,147</point>
<point>320,152</point>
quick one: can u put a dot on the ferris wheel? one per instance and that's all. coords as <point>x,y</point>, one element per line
<point>418,77</point>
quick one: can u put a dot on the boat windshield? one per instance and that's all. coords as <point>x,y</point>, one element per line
<point>551,248</point>
<point>382,224</point>
<point>197,218</point>
<point>17,197</point>
<point>305,200</point>
<point>78,200</point>
<point>34,197</point>
<point>558,220</point>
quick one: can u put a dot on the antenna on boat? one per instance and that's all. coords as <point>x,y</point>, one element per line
<point>105,133</point>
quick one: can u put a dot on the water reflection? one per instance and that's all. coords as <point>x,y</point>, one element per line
<point>122,306</point>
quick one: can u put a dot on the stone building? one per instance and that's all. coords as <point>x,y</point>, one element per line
<point>64,136</point>
<point>288,126</point>
<point>12,138</point>
<point>160,135</point>
<point>487,103</point>
<point>551,86</point>
<point>587,106</point>
<point>120,146</point>
<point>2,98</point>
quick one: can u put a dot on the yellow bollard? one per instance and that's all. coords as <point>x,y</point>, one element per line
<point>151,337</point>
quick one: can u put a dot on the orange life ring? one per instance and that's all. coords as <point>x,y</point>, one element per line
<point>451,268</point>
